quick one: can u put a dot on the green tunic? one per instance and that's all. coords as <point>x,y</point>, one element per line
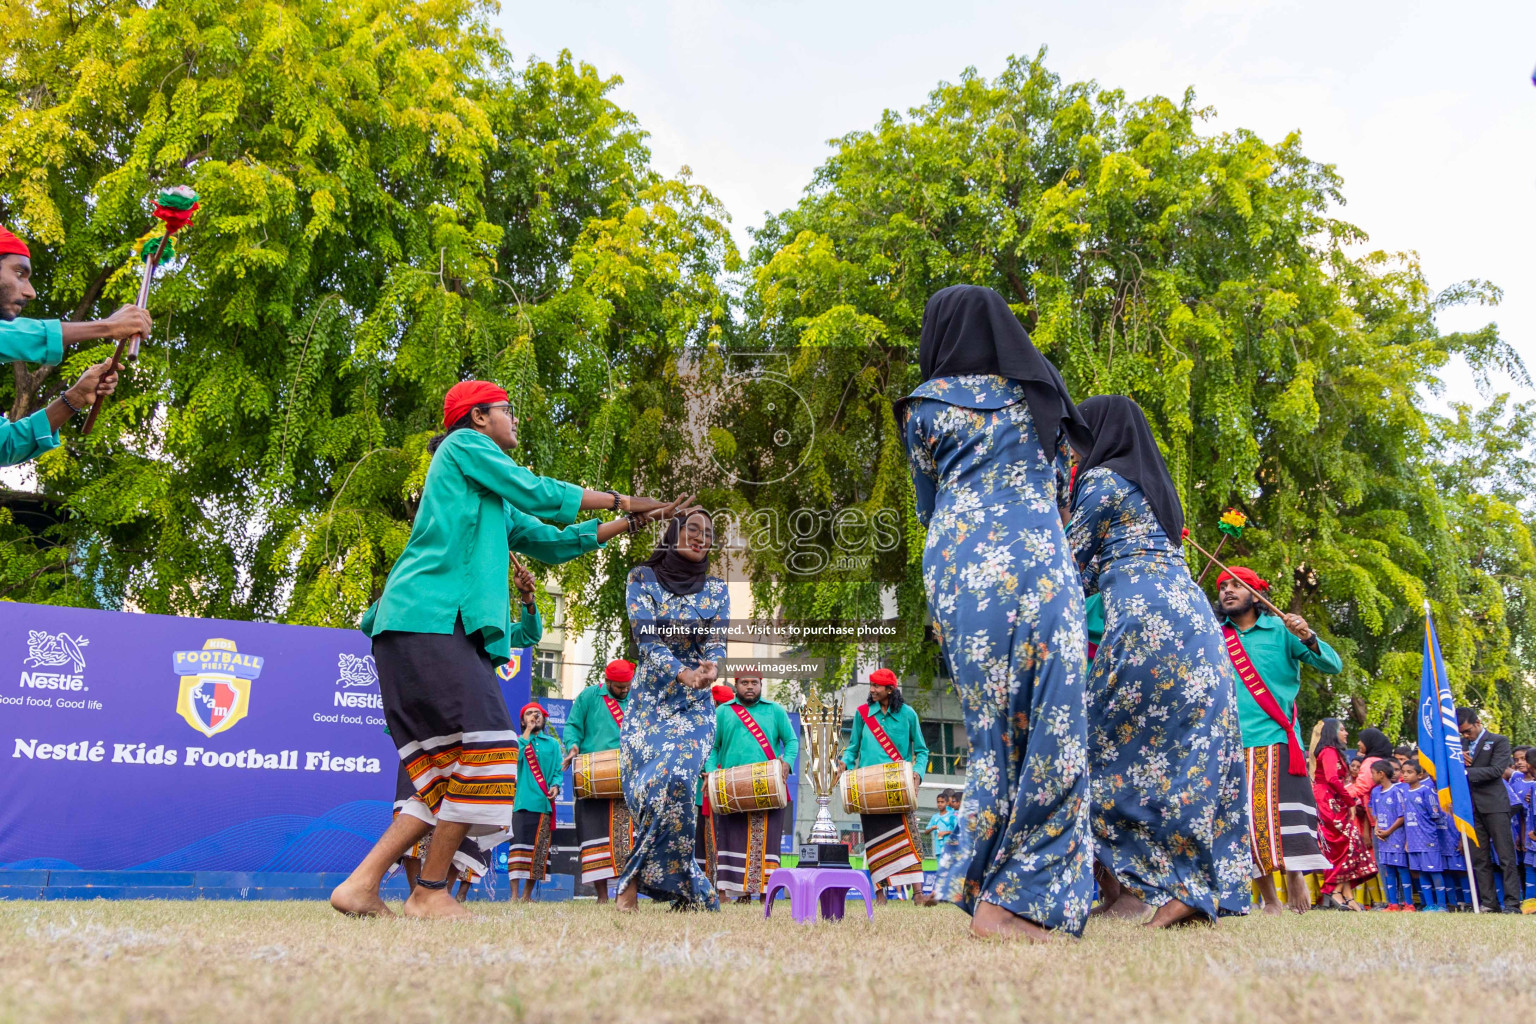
<point>529,796</point>
<point>31,341</point>
<point>904,730</point>
<point>734,743</point>
<point>476,506</point>
<point>590,727</point>
<point>26,438</point>
<point>1277,655</point>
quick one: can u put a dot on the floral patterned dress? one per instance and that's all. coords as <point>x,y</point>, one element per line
<point>1008,609</point>
<point>1170,811</point>
<point>668,730</point>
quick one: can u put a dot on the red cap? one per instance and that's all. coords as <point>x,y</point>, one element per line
<point>723,694</point>
<point>883,677</point>
<point>1245,574</point>
<point>620,671</point>
<point>467,394</point>
<point>531,705</point>
<point>10,245</point>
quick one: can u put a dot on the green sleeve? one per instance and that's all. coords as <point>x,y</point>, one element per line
<point>851,752</point>
<point>919,748</point>
<point>1326,660</point>
<point>712,761</point>
<point>26,439</point>
<point>790,743</point>
<point>492,469</point>
<point>551,544</point>
<point>528,630</point>
<point>576,725</point>
<point>31,341</point>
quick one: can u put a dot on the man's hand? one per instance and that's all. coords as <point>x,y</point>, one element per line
<point>1298,625</point>
<point>570,755</point>
<point>649,506</point>
<point>784,770</point>
<point>93,383</point>
<point>522,579</point>
<point>1466,759</point>
<point>126,322</point>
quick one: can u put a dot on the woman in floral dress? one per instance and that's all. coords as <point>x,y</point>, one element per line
<point>986,434</point>
<point>1165,755</point>
<point>669,725</point>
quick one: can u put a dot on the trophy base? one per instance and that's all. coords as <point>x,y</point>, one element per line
<point>824,855</point>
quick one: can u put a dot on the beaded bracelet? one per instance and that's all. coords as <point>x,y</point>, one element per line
<point>64,397</point>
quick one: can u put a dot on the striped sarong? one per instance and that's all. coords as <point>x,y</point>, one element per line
<point>450,726</point>
<point>893,854</point>
<point>1282,815</point>
<point>528,856</point>
<point>606,834</point>
<point>747,849</point>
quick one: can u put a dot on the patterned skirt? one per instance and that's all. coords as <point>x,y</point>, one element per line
<point>606,835</point>
<point>451,727</point>
<point>528,856</point>
<point>747,849</point>
<point>893,854</point>
<point>1282,815</point>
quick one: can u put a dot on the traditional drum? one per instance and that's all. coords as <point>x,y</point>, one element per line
<point>747,787</point>
<point>888,788</point>
<point>597,776</point>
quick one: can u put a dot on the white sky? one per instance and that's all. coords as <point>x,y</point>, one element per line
<point>1427,109</point>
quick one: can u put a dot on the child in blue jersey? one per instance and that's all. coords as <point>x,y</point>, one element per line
<point>1458,896</point>
<point>1422,820</point>
<point>1391,851</point>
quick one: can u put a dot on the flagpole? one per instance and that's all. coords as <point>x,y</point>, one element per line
<point>1466,853</point>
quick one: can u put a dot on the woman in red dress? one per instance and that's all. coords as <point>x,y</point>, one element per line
<point>1338,828</point>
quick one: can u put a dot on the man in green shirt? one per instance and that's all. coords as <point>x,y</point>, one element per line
<point>884,730</point>
<point>603,826</point>
<point>1267,654</point>
<point>750,730</point>
<point>43,341</point>
<point>533,808</point>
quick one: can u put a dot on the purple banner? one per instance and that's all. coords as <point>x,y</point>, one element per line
<point>156,742</point>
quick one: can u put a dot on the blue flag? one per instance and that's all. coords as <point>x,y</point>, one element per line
<point>1439,741</point>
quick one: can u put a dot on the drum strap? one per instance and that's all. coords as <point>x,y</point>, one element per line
<point>755,729</point>
<point>615,709</point>
<point>879,733</point>
<point>532,757</point>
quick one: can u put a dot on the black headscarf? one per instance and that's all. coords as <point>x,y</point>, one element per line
<point>676,573</point>
<point>969,330</point>
<point>1123,442</point>
<point>1376,742</point>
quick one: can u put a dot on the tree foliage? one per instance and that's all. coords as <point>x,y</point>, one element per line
<point>391,204</point>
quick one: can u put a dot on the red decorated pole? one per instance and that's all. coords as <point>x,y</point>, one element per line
<point>174,209</point>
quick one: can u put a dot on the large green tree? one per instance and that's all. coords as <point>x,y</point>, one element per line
<point>389,206</point>
<point>1206,275</point>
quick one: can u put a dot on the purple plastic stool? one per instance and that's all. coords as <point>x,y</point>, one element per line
<point>820,892</point>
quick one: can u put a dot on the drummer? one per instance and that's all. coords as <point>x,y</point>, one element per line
<point>533,808</point>
<point>602,826</point>
<point>886,729</point>
<point>748,730</point>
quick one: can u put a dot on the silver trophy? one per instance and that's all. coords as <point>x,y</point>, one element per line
<point>821,723</point>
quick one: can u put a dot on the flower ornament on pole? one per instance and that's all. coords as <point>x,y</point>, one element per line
<point>174,208</point>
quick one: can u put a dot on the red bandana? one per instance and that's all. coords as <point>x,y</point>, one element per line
<point>10,245</point>
<point>467,394</point>
<point>1245,574</point>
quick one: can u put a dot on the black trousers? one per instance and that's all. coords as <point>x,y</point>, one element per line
<point>1493,834</point>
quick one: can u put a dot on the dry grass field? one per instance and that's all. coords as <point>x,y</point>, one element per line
<point>227,962</point>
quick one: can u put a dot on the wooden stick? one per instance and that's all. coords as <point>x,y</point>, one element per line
<point>128,348</point>
<point>1266,602</point>
<point>1207,569</point>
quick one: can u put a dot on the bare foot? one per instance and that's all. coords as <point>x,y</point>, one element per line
<point>993,921</point>
<point>1176,912</point>
<point>1129,907</point>
<point>1273,909</point>
<point>434,905</point>
<point>358,900</point>
<point>1109,889</point>
<point>628,899</point>
<point>1296,895</point>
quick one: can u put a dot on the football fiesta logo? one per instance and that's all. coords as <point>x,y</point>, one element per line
<point>215,685</point>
